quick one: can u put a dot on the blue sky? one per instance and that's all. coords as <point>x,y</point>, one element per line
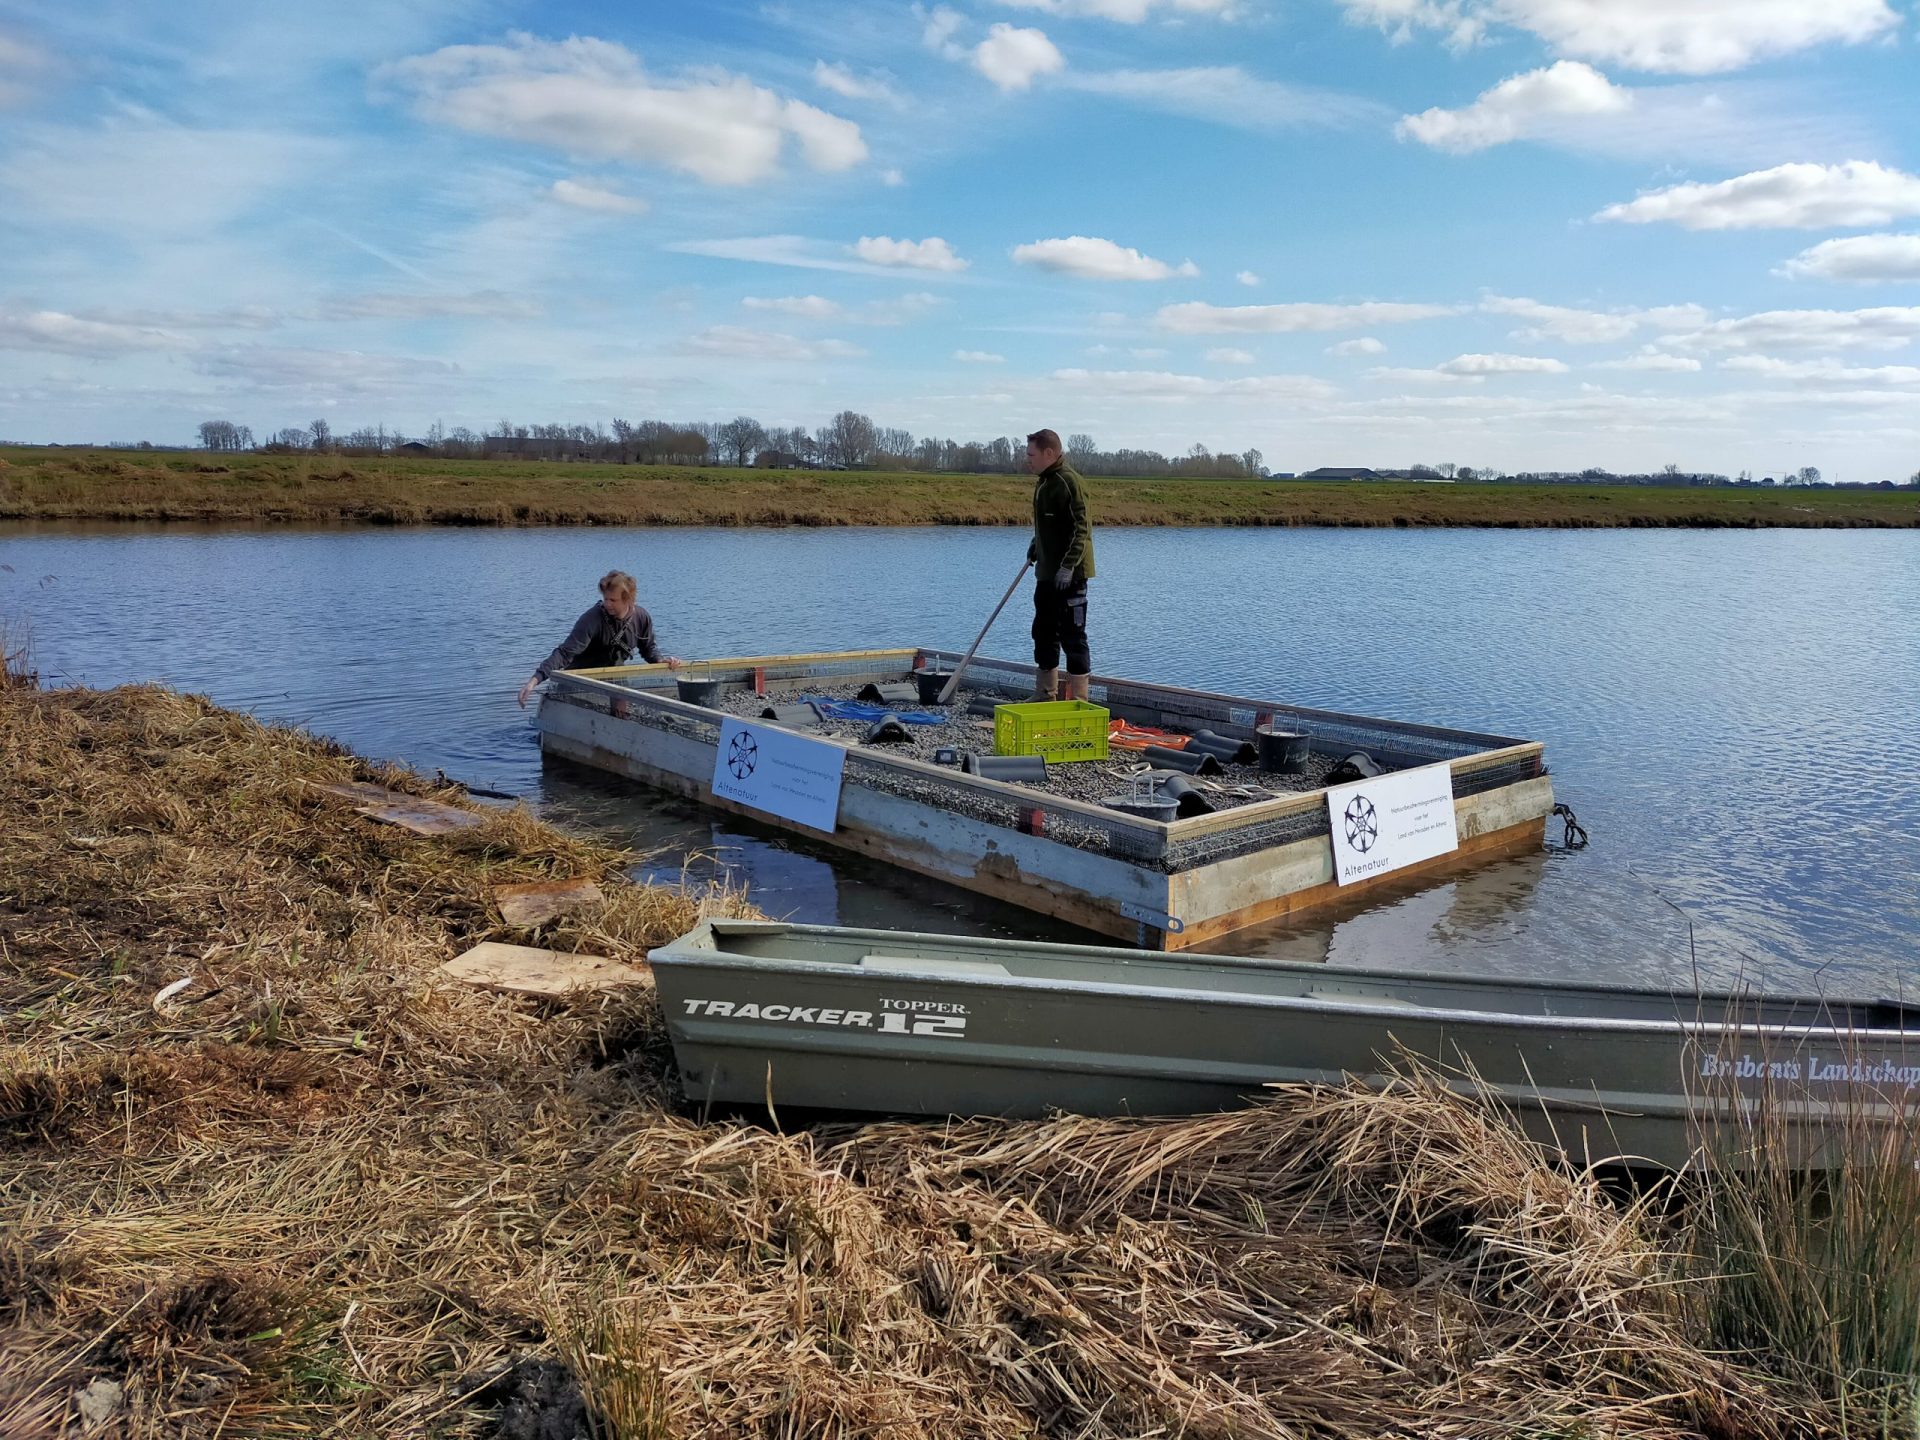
<point>1528,233</point>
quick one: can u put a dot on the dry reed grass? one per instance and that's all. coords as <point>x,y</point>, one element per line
<point>322,1193</point>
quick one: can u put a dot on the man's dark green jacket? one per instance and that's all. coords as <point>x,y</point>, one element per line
<point>1062,534</point>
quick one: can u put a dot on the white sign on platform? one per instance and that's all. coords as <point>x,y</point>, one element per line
<point>776,771</point>
<point>1392,821</point>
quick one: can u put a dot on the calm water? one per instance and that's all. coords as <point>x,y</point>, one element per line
<point>1733,715</point>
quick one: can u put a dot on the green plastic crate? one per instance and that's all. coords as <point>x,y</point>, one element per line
<point>1058,731</point>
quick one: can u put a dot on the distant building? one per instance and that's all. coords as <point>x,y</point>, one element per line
<point>1339,472</point>
<point>413,447</point>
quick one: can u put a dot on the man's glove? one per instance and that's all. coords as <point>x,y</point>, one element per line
<point>1063,578</point>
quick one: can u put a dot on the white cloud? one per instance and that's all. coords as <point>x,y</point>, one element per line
<point>1516,107</point>
<point>1092,258</point>
<point>932,253</point>
<point>1863,258</point>
<point>1589,327</point>
<point>844,83</point>
<point>940,26</point>
<point>1651,360</point>
<point>233,317</point>
<point>1147,352</point>
<point>1247,277</point>
<point>807,307</point>
<point>1127,12</point>
<point>324,375</point>
<point>145,177</point>
<point>1363,345</point>
<point>1012,58</point>
<point>1694,37</point>
<point>596,197</point>
<point>1164,385</point>
<point>1821,374</point>
<point>1196,317</point>
<point>478,304</point>
<point>20,65</point>
<point>1230,355</point>
<point>899,310</point>
<point>1228,95</point>
<point>892,177</point>
<point>60,333</point>
<point>1502,365</point>
<point>1884,328</point>
<point>1805,197</point>
<point>591,97</point>
<point>979,357</point>
<point>735,343</point>
<point>881,256</point>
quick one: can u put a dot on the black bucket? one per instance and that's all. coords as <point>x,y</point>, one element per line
<point>1006,767</point>
<point>1182,792</point>
<point>1284,752</point>
<point>931,683</point>
<point>1197,762</point>
<point>1146,807</point>
<point>698,692</point>
<point>896,693</point>
<point>1231,752</point>
<point>1357,766</point>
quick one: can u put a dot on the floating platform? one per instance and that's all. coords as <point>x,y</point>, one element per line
<point>1159,885</point>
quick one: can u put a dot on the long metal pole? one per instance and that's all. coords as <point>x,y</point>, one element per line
<point>946,692</point>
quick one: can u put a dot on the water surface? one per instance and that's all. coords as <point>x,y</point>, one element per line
<point>1731,713</point>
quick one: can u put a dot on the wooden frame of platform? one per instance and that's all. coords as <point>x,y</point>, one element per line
<point>1162,886</point>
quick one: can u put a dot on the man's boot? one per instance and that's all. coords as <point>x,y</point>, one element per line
<point>1046,684</point>
<point>1074,687</point>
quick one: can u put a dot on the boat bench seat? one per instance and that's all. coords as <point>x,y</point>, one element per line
<point>932,965</point>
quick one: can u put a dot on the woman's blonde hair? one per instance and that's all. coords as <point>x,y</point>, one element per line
<point>617,584</point>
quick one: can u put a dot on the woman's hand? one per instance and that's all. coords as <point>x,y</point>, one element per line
<point>526,690</point>
<point>673,662</point>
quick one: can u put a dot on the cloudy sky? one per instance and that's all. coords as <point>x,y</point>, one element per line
<point>1531,233</point>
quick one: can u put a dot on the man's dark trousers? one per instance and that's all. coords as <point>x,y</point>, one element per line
<point>1060,623</point>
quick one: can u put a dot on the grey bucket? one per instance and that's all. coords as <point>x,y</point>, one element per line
<point>1146,807</point>
<point>698,692</point>
<point>1005,767</point>
<point>1284,752</point>
<point>931,683</point>
<point>1196,763</point>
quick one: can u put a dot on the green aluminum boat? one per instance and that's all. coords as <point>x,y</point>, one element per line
<point>811,1017</point>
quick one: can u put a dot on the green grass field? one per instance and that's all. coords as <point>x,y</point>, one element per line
<point>67,484</point>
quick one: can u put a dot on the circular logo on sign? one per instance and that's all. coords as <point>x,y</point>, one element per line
<point>1363,826</point>
<point>742,755</point>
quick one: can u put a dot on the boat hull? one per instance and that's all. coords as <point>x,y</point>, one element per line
<point>926,1025</point>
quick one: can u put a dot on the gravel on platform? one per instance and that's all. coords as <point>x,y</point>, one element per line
<point>1089,781</point>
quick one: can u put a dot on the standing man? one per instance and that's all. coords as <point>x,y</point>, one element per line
<point>607,634</point>
<point>1062,556</point>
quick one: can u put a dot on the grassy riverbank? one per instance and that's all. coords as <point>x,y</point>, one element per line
<point>67,484</point>
<point>322,1191</point>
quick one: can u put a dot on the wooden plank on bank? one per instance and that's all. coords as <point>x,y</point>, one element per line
<point>529,905</point>
<point>409,812</point>
<point>526,970</point>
